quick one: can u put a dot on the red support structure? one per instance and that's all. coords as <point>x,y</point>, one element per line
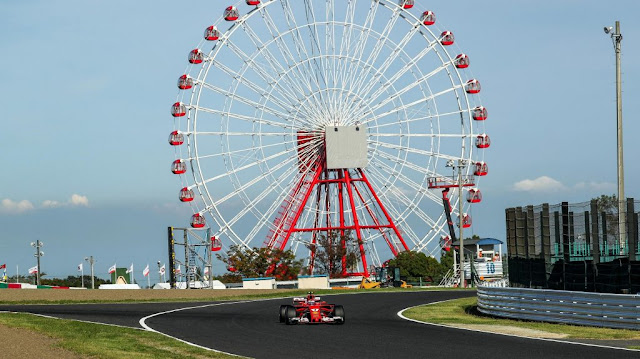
<point>354,202</point>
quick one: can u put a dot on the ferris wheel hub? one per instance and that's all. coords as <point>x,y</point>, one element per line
<point>346,146</point>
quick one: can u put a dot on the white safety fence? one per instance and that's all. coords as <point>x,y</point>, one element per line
<point>580,308</point>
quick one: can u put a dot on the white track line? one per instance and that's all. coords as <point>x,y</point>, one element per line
<point>505,334</point>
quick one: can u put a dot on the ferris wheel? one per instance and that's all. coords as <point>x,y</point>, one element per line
<point>300,118</point>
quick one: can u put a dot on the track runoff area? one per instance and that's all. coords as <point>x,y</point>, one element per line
<point>374,327</point>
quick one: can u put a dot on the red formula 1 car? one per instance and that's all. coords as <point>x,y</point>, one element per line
<point>311,310</point>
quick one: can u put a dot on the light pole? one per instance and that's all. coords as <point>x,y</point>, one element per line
<point>459,165</point>
<point>91,262</point>
<point>616,37</point>
<point>37,244</point>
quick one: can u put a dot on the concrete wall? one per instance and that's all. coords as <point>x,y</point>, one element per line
<point>259,283</point>
<point>313,282</point>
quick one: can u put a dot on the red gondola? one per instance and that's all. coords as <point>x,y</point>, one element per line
<point>472,86</point>
<point>211,33</point>
<point>461,61</point>
<point>474,195</point>
<point>178,109</point>
<point>483,141</point>
<point>186,195</point>
<point>428,18</point>
<point>216,244</point>
<point>446,38</point>
<point>406,4</point>
<point>196,56</point>
<point>197,221</point>
<point>185,82</point>
<point>481,169</point>
<point>479,113</point>
<point>176,138</point>
<point>466,220</point>
<point>231,13</point>
<point>253,2</point>
<point>445,243</point>
<point>178,167</point>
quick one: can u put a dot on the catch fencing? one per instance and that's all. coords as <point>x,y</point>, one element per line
<point>559,306</point>
<point>574,247</point>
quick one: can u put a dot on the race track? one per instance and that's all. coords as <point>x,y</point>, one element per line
<point>372,329</point>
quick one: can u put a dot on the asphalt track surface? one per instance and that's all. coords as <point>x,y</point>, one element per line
<point>373,329</point>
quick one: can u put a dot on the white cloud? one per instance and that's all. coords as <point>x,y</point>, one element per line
<point>12,207</point>
<point>9,206</point>
<point>540,184</point>
<point>78,200</point>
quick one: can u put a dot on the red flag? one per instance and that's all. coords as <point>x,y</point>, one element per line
<point>4,266</point>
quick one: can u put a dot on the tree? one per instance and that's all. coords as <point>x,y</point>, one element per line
<point>329,251</point>
<point>609,206</point>
<point>260,262</point>
<point>417,265</point>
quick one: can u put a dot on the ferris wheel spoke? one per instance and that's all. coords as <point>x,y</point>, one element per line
<point>405,121</point>
<point>405,106</point>
<point>418,188</point>
<point>245,167</point>
<point>255,201</point>
<point>247,101</point>
<point>289,90</point>
<point>395,52</point>
<point>315,42</point>
<point>379,45</point>
<point>405,68</point>
<point>300,45</point>
<point>413,150</point>
<point>398,93</point>
<point>255,180</point>
<point>286,53</point>
<point>403,199</point>
<point>246,118</point>
<point>282,103</point>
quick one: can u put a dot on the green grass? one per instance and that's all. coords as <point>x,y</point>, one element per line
<point>104,341</point>
<point>462,311</point>
<point>284,294</point>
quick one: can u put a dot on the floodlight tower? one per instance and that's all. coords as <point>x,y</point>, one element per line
<point>616,36</point>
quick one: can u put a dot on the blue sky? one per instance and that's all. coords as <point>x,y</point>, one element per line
<point>87,89</point>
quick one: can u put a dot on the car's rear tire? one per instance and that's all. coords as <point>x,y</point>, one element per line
<point>283,313</point>
<point>290,314</point>
<point>338,311</point>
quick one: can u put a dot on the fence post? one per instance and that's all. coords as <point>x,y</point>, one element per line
<point>565,242</point>
<point>632,234</point>
<point>595,238</point>
<point>546,242</point>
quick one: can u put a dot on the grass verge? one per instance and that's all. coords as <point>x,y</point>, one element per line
<point>15,296</point>
<point>463,312</point>
<point>103,341</point>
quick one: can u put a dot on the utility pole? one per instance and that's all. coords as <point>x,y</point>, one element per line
<point>461,224</point>
<point>91,262</point>
<point>37,244</point>
<point>616,36</point>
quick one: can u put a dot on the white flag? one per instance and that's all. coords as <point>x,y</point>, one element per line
<point>206,270</point>
<point>130,269</point>
<point>178,270</point>
<point>145,272</point>
<point>80,267</point>
<point>112,269</point>
<point>161,271</point>
<point>33,270</point>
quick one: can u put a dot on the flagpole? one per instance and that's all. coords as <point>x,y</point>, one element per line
<point>82,274</point>
<point>17,274</point>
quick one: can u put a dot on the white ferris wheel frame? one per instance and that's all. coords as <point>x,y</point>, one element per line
<point>287,80</point>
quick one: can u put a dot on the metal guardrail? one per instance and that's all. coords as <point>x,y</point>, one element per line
<point>559,306</point>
